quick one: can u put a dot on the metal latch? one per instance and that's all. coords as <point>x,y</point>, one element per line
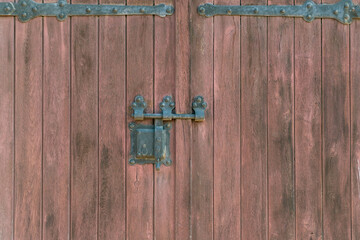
<point>344,11</point>
<point>26,10</point>
<point>150,144</point>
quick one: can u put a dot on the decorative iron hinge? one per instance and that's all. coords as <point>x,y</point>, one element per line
<point>151,143</point>
<point>344,11</point>
<point>26,10</point>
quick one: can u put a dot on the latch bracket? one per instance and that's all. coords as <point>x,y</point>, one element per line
<point>343,11</point>
<point>26,10</point>
<point>150,144</point>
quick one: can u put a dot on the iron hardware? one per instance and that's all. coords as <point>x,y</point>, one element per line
<point>343,11</point>
<point>150,143</point>
<point>26,10</point>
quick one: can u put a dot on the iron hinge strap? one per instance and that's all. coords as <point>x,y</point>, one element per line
<point>26,10</point>
<point>344,11</point>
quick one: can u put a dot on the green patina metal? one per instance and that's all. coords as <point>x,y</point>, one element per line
<point>26,10</point>
<point>343,11</point>
<point>150,144</point>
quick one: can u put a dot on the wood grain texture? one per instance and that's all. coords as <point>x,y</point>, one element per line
<point>164,84</point>
<point>227,158</point>
<point>355,127</point>
<point>308,129</point>
<point>56,129</point>
<point>202,157</point>
<point>281,187</point>
<point>182,128</point>
<point>254,97</point>
<point>336,130</point>
<point>6,126</point>
<point>140,80</point>
<point>112,126</point>
<point>84,127</point>
<point>28,130</point>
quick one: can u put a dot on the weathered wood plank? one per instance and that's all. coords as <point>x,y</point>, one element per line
<point>336,130</point>
<point>140,73</point>
<point>355,127</point>
<point>56,129</point>
<point>112,126</point>
<point>164,84</point>
<point>202,157</point>
<point>28,130</point>
<point>84,126</point>
<point>254,126</point>
<point>308,129</point>
<point>6,126</point>
<point>227,125</point>
<point>281,126</point>
<point>182,127</point>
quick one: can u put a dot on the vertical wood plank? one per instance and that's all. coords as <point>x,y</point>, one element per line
<point>28,129</point>
<point>227,125</point>
<point>140,76</point>
<point>56,135</point>
<point>182,127</point>
<point>355,127</point>
<point>84,126</point>
<point>281,126</point>
<point>6,126</point>
<point>202,145</point>
<point>164,84</point>
<point>112,126</point>
<point>336,130</point>
<point>308,129</point>
<point>254,96</point>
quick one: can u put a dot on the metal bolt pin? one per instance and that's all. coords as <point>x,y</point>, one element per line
<point>61,15</point>
<point>309,16</point>
<point>168,10</point>
<point>24,15</point>
<point>229,11</point>
<point>132,161</point>
<point>162,104</point>
<point>198,100</point>
<point>7,9</point>
<point>88,10</point>
<point>309,6</point>
<point>205,104</point>
<point>172,104</point>
<point>336,12</point>
<point>142,10</point>
<point>115,10</point>
<point>282,11</point>
<point>256,10</point>
<point>202,10</point>
<point>34,9</point>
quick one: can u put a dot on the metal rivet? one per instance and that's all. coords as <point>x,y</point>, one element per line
<point>142,10</point>
<point>336,12</point>
<point>132,161</point>
<point>282,11</point>
<point>158,139</point>
<point>352,9</point>
<point>202,10</point>
<point>167,99</point>
<point>88,10</point>
<point>115,10</point>
<point>24,15</point>
<point>346,5</point>
<point>172,104</point>
<point>132,125</point>
<point>229,11</point>
<point>23,4</point>
<point>34,9</point>
<point>168,125</point>
<point>61,15</point>
<point>61,4</point>
<point>309,16</point>
<point>168,10</point>
<point>7,9</point>
<point>198,100</point>
<point>346,16</point>
<point>138,99</point>
<point>195,105</point>
<point>162,104</point>
<point>204,104</point>
<point>256,10</point>
<point>168,162</point>
<point>309,6</point>
<point>134,104</point>
<point>144,145</point>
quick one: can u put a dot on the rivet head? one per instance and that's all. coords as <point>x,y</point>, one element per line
<point>204,104</point>
<point>198,99</point>
<point>162,104</point>
<point>229,11</point>
<point>132,161</point>
<point>7,9</point>
<point>346,5</point>
<point>195,105</point>
<point>134,104</point>
<point>346,17</point>
<point>256,10</point>
<point>158,139</point>
<point>336,12</point>
<point>202,10</point>
<point>61,15</point>
<point>168,125</point>
<point>61,4</point>
<point>88,10</point>
<point>352,9</point>
<point>282,11</point>
<point>309,6</point>
<point>138,99</point>
<point>168,162</point>
<point>34,9</point>
<point>172,104</point>
<point>308,17</point>
<point>168,10</point>
<point>23,4</point>
<point>142,10</point>
<point>167,99</point>
<point>131,125</point>
<point>24,15</point>
<point>115,10</point>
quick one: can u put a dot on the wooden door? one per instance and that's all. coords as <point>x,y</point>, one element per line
<point>278,156</point>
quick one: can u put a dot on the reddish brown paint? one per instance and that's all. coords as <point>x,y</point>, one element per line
<point>56,130</point>
<point>112,126</point>
<point>308,129</point>
<point>6,127</point>
<point>276,158</point>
